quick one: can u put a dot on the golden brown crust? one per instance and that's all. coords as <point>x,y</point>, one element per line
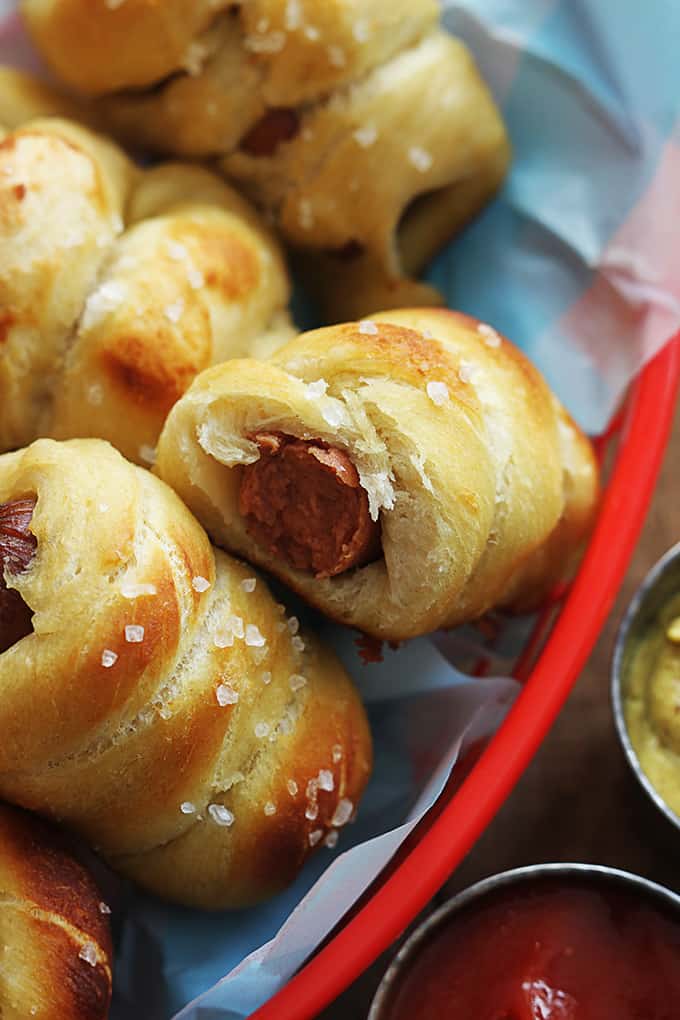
<point>57,953</point>
<point>305,103</point>
<point>484,489</point>
<point>118,286</point>
<point>163,674</point>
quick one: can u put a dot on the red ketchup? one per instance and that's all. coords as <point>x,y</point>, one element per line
<point>548,950</point>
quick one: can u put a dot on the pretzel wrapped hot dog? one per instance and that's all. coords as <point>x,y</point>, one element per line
<point>402,474</point>
<point>158,700</point>
<point>117,286</point>
<point>364,130</point>
<point>54,932</point>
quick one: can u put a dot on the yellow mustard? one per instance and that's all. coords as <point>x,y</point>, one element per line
<point>652,703</point>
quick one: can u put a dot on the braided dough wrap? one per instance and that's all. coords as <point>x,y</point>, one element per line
<point>305,103</point>
<point>480,488</point>
<point>118,286</point>
<point>163,706</point>
<point>56,946</point>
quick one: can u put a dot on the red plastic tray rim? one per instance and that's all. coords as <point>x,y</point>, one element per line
<point>649,417</point>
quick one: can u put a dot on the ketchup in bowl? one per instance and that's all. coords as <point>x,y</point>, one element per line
<point>547,948</point>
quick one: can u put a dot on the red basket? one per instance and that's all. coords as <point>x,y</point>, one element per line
<point>446,837</point>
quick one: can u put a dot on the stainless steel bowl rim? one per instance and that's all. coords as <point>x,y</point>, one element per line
<point>648,585</point>
<point>501,881</point>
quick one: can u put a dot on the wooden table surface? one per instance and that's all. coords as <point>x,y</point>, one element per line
<point>577,800</point>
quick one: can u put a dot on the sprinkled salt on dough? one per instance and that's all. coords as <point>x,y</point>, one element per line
<point>220,815</point>
<point>199,583</point>
<point>134,633</point>
<point>368,328</point>
<point>438,392</point>
<point>420,158</point>
<point>226,695</point>
<point>88,953</point>
<point>109,658</point>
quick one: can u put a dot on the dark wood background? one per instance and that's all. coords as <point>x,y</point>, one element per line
<point>577,800</point>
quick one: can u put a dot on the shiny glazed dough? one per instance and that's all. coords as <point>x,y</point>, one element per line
<point>363,129</point>
<point>56,946</point>
<point>484,488</point>
<point>164,706</point>
<point>118,286</point>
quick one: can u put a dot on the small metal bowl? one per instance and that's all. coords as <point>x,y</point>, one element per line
<point>661,583</point>
<point>594,873</point>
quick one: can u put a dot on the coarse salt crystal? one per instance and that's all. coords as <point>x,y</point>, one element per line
<point>223,638</point>
<point>103,507</point>
<point>249,584</point>
<point>366,136</point>
<point>270,808</point>
<point>428,334</point>
<point>312,811</point>
<point>134,633</point>
<point>312,33</point>
<point>262,730</point>
<point>298,644</point>
<point>336,56</point>
<point>331,839</point>
<point>326,780</point>
<point>174,311</point>
<point>88,953</point>
<point>221,815</point>
<point>286,725</point>
<point>361,31</point>
<point>420,158</point>
<point>95,394</point>
<point>106,298</point>
<point>194,58</point>
<point>438,392</point>
<point>293,16</point>
<point>187,808</point>
<point>109,658</point>
<point>342,813</point>
<point>315,837</point>
<point>226,695</point>
<point>259,654</point>
<point>130,590</point>
<point>296,682</point>
<point>104,908</point>
<point>317,389</point>
<point>368,328</point>
<point>292,787</point>
<point>147,454</point>
<point>271,43</point>
<point>195,278</point>
<point>266,678</point>
<point>176,251</point>
<point>337,754</point>
<point>305,214</point>
<point>254,637</point>
<point>199,583</point>
<point>466,371</point>
<point>312,789</point>
<point>293,624</point>
<point>491,336</point>
<point>235,623</point>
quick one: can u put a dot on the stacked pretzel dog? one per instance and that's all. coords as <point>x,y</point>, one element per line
<point>168,438</point>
